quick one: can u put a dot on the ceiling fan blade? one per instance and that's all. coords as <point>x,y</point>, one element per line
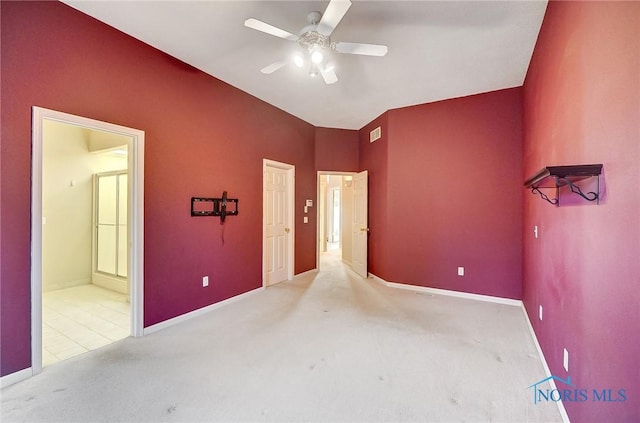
<point>332,16</point>
<point>273,67</point>
<point>269,29</point>
<point>329,75</point>
<point>359,48</point>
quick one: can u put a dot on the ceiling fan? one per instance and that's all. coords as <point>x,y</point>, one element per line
<point>315,41</point>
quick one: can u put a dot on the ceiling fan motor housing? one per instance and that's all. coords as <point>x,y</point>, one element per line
<point>314,18</point>
<point>311,38</point>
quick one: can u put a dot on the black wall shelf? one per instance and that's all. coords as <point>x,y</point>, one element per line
<point>560,176</point>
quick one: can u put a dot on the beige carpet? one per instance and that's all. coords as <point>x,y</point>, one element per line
<point>328,347</point>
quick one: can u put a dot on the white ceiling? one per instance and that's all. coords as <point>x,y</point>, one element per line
<point>437,49</point>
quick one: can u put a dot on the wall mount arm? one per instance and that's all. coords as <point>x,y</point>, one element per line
<point>559,176</point>
<point>223,207</point>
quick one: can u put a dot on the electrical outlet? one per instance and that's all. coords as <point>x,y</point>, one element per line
<point>460,271</point>
<point>540,312</point>
<point>565,361</point>
<point>205,281</point>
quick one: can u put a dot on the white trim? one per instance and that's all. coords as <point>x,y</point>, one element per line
<point>291,193</point>
<point>488,298</point>
<point>36,240</point>
<point>199,312</point>
<point>547,371</point>
<point>136,213</point>
<point>450,293</point>
<point>15,377</point>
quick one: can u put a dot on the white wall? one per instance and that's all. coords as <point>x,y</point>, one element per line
<point>347,220</point>
<point>322,215</point>
<point>334,182</point>
<point>68,168</point>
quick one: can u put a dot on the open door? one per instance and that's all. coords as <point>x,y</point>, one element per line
<point>360,229</point>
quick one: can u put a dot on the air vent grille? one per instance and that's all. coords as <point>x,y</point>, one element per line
<point>375,134</point>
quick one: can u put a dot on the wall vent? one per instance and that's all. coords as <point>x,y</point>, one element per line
<point>375,134</point>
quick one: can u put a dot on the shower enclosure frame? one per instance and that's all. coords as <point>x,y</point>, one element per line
<point>113,281</point>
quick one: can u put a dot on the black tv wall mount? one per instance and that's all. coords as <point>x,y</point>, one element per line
<point>222,207</point>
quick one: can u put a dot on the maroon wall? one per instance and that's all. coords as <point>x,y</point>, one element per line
<point>582,105</point>
<point>336,150</point>
<point>454,194</point>
<point>198,143</point>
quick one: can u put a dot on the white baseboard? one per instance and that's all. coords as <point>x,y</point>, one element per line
<point>199,312</point>
<point>109,282</point>
<point>499,300</point>
<point>438,291</point>
<point>547,371</point>
<point>16,377</point>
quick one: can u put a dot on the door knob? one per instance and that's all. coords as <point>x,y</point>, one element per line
<point>287,230</point>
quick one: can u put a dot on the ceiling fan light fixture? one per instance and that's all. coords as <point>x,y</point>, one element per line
<point>314,42</point>
<point>316,56</point>
<point>298,60</point>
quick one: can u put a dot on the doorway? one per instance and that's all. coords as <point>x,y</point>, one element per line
<point>335,208</point>
<point>278,217</point>
<point>342,218</point>
<point>65,233</point>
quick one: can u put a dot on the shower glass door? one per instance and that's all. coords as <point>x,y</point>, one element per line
<point>111,223</point>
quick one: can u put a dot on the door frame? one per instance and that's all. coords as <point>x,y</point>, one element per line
<point>319,175</point>
<point>291,178</point>
<point>135,211</point>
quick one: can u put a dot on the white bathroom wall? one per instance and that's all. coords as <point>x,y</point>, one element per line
<point>68,168</point>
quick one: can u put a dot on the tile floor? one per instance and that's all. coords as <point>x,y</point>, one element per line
<point>79,319</point>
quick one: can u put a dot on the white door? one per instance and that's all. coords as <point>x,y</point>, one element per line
<point>278,229</point>
<point>360,227</point>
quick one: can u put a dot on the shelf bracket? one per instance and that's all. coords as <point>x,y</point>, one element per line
<point>589,196</point>
<point>544,196</point>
